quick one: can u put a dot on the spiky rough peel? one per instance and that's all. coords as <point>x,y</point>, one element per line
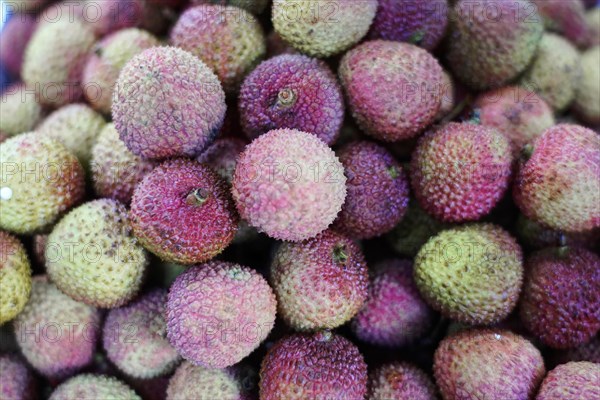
<point>587,93</point>
<point>400,381</point>
<point>377,191</point>
<point>395,313</point>
<point>558,184</point>
<point>40,179</point>
<point>487,364</point>
<point>422,23</point>
<point>555,72</point>
<point>15,277</point>
<point>571,381</point>
<point>472,273</point>
<point>116,171</point>
<point>167,103</point>
<point>193,382</point>
<point>295,92</point>
<point>20,111</point>
<point>320,283</point>
<point>76,126</point>
<point>107,59</point>
<point>16,33</point>
<point>218,334</point>
<point>222,156</point>
<point>393,89</point>
<point>228,39</point>
<point>460,171</point>
<point>150,354</point>
<point>54,60</point>
<point>560,303</point>
<point>323,365</point>
<point>17,382</point>
<point>70,331</point>
<point>88,386</point>
<point>92,255</point>
<point>321,28</point>
<point>492,41</point>
<point>518,113</point>
<point>289,184</point>
<point>182,212</point>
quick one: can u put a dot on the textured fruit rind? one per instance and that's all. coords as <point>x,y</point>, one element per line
<point>320,283</point>
<point>20,111</point>
<point>487,364</point>
<point>218,334</point>
<point>321,28</point>
<point>167,103</point>
<point>560,303</point>
<point>319,366</point>
<point>228,39</point>
<point>54,60</point>
<point>150,354</point>
<point>88,386</point>
<point>472,273</point>
<point>56,334</point>
<point>17,382</point>
<point>183,212</point>
<point>377,191</point>
<point>400,380</point>
<point>295,92</point>
<point>15,277</point>
<point>40,179</point>
<point>492,41</point>
<point>393,89</point>
<point>460,171</point>
<point>394,314</point>
<point>222,156</point>
<point>558,184</point>
<point>289,184</point>
<point>571,381</point>
<point>92,255</point>
<point>587,94</point>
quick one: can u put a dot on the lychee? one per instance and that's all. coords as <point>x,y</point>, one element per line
<point>15,277</point>
<point>16,33</point>
<point>17,382</point>
<point>20,111</point>
<point>400,380</point>
<point>89,386</point>
<point>222,156</point>
<point>587,93</point>
<point>571,381</point>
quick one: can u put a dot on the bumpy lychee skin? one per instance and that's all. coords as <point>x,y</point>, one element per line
<point>289,184</point>
<point>377,191</point>
<point>92,256</point>
<point>116,171</point>
<point>222,156</point>
<point>218,334</point>
<point>555,72</point>
<point>15,277</point>
<point>487,364</point>
<point>587,94</point>
<point>15,35</point>
<point>43,169</point>
<point>416,22</point>
<point>66,331</point>
<point>558,184</point>
<point>107,59</point>
<point>449,94</point>
<point>167,103</point>
<point>323,365</point>
<point>560,303</point>
<point>17,382</point>
<point>460,171</point>
<point>395,314</point>
<point>393,89</point>
<point>150,354</point>
<point>566,17</point>
<point>571,381</point>
<point>320,283</point>
<point>321,29</point>
<point>89,386</point>
<point>182,212</point>
<point>228,39</point>
<point>487,49</point>
<point>20,111</point>
<point>193,382</point>
<point>472,274</point>
<point>295,92</point>
<point>54,60</point>
<point>519,114</point>
<point>254,6</point>
<point>400,381</point>
<point>76,126</point>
